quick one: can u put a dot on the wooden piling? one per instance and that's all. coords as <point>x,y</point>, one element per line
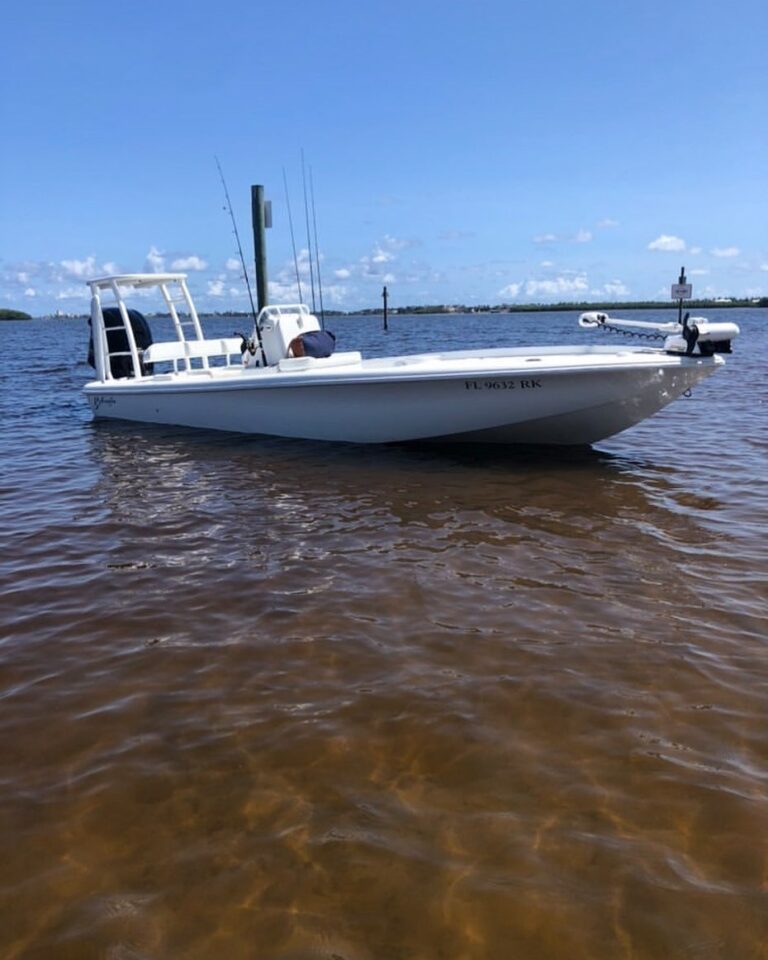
<point>258,218</point>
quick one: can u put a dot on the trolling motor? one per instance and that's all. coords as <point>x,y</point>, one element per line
<point>692,336</point>
<point>700,337</point>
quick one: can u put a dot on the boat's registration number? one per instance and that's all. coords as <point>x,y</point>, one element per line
<point>527,384</point>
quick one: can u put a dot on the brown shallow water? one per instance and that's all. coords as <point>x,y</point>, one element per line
<point>265,699</point>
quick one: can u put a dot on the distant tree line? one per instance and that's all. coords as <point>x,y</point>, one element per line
<point>566,305</point>
<point>442,308</point>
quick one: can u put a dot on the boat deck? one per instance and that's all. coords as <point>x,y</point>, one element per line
<point>351,367</point>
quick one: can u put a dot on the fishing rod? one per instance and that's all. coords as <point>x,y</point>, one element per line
<point>309,240</point>
<point>293,240</point>
<point>317,249</point>
<point>231,212</point>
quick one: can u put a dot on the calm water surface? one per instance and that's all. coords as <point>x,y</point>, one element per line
<point>272,699</point>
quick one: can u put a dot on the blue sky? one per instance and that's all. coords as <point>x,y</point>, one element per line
<point>471,153</point>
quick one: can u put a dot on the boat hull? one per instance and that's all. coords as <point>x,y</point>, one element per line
<point>375,404</point>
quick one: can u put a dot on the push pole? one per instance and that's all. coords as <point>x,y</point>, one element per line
<point>385,296</point>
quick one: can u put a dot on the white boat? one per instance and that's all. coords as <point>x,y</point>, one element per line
<point>541,395</point>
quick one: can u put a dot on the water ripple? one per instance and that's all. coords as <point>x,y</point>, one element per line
<point>415,701</point>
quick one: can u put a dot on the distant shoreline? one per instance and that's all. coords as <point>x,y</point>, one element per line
<point>450,309</point>
<point>560,307</point>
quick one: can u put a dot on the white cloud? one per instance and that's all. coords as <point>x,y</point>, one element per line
<point>558,287</point>
<point>353,282</point>
<point>606,223</point>
<point>283,292</point>
<point>511,290</point>
<point>700,272</point>
<point>581,236</point>
<point>384,251</point>
<point>22,277</point>
<point>233,264</point>
<point>80,268</point>
<point>546,263</point>
<point>336,294</point>
<point>382,256</point>
<point>283,287</point>
<point>155,260</point>
<point>216,288</point>
<point>667,243</point>
<point>725,252</point>
<point>74,293</point>
<point>30,292</point>
<point>304,262</point>
<point>615,288</point>
<point>396,243</point>
<point>695,251</point>
<point>192,262</point>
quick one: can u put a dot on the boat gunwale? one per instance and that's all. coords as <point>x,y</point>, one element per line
<point>262,378</point>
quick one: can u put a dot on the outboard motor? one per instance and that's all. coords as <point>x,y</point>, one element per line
<point>117,341</point>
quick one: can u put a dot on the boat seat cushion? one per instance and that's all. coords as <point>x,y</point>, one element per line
<point>172,350</point>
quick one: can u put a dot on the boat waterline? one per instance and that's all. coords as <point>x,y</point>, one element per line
<point>574,404</point>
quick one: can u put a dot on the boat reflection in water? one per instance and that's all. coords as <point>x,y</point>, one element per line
<point>409,701</point>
